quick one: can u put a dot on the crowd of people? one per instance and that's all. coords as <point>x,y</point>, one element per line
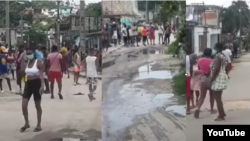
<point>133,34</point>
<point>38,69</point>
<point>209,73</point>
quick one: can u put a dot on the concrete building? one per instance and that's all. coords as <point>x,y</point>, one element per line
<point>202,21</point>
<point>120,11</point>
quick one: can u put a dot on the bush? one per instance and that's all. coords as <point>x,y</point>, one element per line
<point>179,82</point>
<point>172,47</point>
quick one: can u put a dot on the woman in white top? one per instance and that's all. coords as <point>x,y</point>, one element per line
<point>33,86</point>
<point>160,33</point>
<point>115,34</point>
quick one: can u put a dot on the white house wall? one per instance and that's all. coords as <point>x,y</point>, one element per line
<point>210,43</point>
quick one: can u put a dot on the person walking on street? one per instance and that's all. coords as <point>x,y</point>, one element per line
<point>204,69</point>
<point>160,33</point>
<point>115,34</point>
<point>152,35</point>
<point>195,81</point>
<point>125,34</point>
<point>235,49</point>
<point>144,35</point>
<point>46,81</point>
<point>77,65</point>
<point>219,79</point>
<point>54,62</point>
<point>105,38</point>
<point>228,53</point>
<point>34,86</point>
<point>4,69</point>
<point>11,63</point>
<point>92,66</point>
<point>167,29</point>
<point>20,66</point>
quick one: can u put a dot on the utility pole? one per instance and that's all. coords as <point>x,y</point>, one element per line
<point>7,17</point>
<point>58,24</point>
<point>240,12</point>
<point>205,27</point>
<point>147,12</point>
<point>82,26</point>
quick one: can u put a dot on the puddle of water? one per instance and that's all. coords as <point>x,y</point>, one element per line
<point>177,109</point>
<point>145,72</point>
<point>152,51</point>
<point>127,103</point>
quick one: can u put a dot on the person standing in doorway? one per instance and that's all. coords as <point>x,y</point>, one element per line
<point>92,66</point>
<point>54,62</point>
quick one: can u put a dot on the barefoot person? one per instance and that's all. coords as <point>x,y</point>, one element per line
<point>34,86</point>
<point>4,69</point>
<point>203,65</point>
<point>54,61</point>
<point>92,66</point>
<point>219,78</point>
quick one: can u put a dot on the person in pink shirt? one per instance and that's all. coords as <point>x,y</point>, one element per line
<point>54,62</point>
<point>204,70</point>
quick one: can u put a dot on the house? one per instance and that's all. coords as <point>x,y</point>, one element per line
<point>203,27</point>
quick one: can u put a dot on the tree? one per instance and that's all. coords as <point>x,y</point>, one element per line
<point>151,5</point>
<point>230,17</point>
<point>94,9</point>
<point>170,9</point>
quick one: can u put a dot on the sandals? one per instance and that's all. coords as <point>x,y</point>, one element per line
<point>60,96</point>
<point>219,119</point>
<point>196,113</point>
<point>91,97</point>
<point>37,129</point>
<point>24,128</point>
<point>188,113</point>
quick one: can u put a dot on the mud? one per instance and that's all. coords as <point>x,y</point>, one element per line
<point>138,104</point>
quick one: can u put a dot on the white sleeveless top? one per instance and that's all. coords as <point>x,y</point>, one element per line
<point>91,66</point>
<point>33,71</point>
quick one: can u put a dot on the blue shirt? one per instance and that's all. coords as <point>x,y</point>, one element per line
<point>3,64</point>
<point>39,55</point>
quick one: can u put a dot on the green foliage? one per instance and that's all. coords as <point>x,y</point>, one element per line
<point>172,47</point>
<point>179,82</point>
<point>230,17</point>
<point>152,5</point>
<point>94,9</point>
<point>37,37</point>
<point>170,9</point>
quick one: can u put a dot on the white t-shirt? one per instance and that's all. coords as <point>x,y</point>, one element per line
<point>228,53</point>
<point>91,66</point>
<point>161,29</point>
<point>188,65</point>
<point>134,30</point>
<point>130,32</point>
<point>124,32</point>
<point>115,34</point>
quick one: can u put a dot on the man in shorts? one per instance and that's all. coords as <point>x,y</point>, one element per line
<point>91,67</point>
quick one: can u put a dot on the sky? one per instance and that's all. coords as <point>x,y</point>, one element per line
<point>87,1</point>
<point>224,3</point>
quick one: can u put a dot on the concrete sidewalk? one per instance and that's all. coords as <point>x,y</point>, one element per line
<point>236,101</point>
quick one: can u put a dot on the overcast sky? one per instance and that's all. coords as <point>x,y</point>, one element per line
<point>87,1</point>
<point>225,3</point>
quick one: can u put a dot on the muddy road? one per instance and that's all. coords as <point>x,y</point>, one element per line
<point>138,103</point>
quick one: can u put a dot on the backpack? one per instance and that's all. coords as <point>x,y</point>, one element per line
<point>39,55</point>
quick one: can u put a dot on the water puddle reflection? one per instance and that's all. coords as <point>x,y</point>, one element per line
<point>145,72</point>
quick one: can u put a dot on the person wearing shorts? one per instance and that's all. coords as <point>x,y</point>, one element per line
<point>91,66</point>
<point>3,69</point>
<point>11,66</point>
<point>54,61</point>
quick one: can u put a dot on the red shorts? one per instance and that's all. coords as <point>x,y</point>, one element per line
<point>188,86</point>
<point>55,75</point>
<point>229,67</point>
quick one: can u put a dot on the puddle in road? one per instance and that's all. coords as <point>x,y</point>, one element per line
<point>127,103</point>
<point>153,51</point>
<point>145,72</point>
<point>177,109</point>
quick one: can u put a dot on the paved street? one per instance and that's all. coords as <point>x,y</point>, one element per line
<point>73,117</point>
<point>236,101</point>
